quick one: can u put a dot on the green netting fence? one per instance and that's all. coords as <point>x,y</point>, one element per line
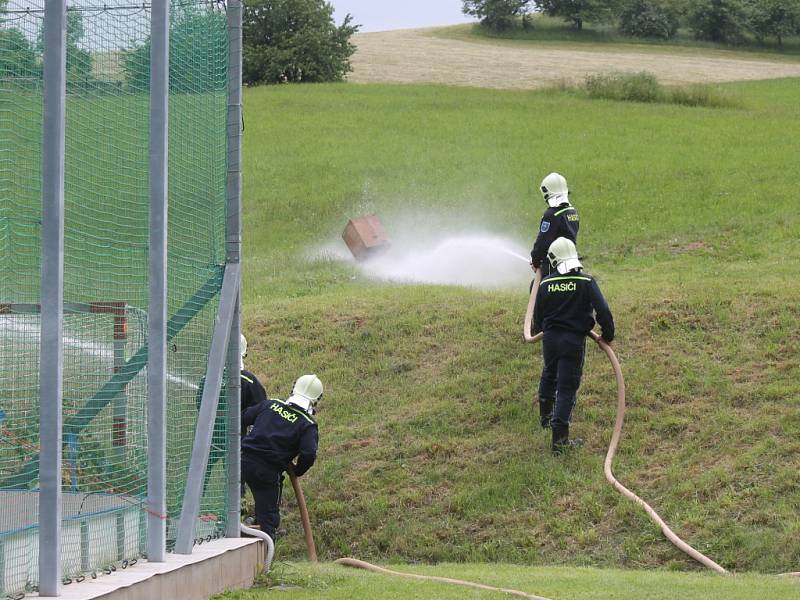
<point>104,469</point>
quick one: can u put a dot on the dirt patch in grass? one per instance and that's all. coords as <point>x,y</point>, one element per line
<point>418,56</point>
<point>689,247</point>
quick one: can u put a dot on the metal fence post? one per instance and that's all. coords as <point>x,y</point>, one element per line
<point>209,403</point>
<point>157,312</point>
<point>233,238</point>
<point>52,298</point>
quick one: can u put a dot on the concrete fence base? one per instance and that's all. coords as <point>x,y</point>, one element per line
<point>214,567</point>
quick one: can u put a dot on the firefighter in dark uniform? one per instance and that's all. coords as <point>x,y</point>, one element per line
<point>251,392</point>
<point>559,220</point>
<point>280,432</point>
<point>566,301</point>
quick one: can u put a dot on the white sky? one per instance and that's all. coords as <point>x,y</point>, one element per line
<point>380,15</point>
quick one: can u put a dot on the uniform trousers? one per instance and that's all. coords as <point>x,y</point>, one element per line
<point>564,352</point>
<point>265,481</point>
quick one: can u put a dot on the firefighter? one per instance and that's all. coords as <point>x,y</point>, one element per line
<point>280,432</point>
<point>566,305</point>
<point>560,219</point>
<point>251,392</point>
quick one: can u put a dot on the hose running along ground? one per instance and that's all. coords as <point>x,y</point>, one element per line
<point>360,564</point>
<point>615,437</point>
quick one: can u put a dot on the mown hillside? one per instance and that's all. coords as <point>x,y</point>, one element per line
<point>429,450</point>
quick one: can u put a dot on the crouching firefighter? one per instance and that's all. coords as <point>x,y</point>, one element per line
<point>280,432</point>
<point>560,219</point>
<point>565,304</point>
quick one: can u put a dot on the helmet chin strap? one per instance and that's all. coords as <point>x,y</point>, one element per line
<point>557,200</point>
<point>303,403</point>
<point>561,267</point>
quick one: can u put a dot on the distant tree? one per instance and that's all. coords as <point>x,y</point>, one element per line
<point>498,15</point>
<point>773,18</point>
<point>195,57</point>
<point>295,40</point>
<point>650,19</point>
<point>79,60</point>
<point>578,12</point>
<point>718,20</point>
<point>18,58</point>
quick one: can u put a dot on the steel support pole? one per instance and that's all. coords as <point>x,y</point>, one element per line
<point>51,354</point>
<point>233,256</point>
<point>209,404</point>
<point>157,311</point>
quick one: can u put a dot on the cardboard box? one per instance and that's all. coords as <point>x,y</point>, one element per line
<point>365,237</point>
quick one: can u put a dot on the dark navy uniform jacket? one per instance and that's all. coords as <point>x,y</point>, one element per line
<point>567,303</point>
<point>561,221</point>
<point>252,390</point>
<point>280,432</point>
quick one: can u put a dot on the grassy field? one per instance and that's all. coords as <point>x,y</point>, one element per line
<point>556,31</point>
<point>304,580</point>
<point>429,451</point>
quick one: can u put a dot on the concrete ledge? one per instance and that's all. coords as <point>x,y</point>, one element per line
<point>214,567</point>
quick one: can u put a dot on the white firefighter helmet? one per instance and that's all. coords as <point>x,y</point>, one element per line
<point>563,255</point>
<point>242,350</point>
<point>554,190</point>
<point>307,392</point>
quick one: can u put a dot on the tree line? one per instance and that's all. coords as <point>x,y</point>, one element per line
<point>724,21</point>
<point>21,57</point>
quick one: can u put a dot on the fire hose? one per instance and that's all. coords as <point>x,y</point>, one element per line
<point>360,564</point>
<point>257,533</point>
<point>311,547</point>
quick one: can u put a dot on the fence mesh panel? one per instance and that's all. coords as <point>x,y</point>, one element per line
<point>104,467</point>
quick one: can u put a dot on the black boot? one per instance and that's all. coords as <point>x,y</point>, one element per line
<point>561,441</point>
<point>545,412</point>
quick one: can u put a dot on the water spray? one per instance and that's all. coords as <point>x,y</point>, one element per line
<point>420,254</point>
<point>515,255</point>
<point>484,244</point>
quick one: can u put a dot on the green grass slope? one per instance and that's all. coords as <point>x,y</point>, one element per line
<point>428,445</point>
